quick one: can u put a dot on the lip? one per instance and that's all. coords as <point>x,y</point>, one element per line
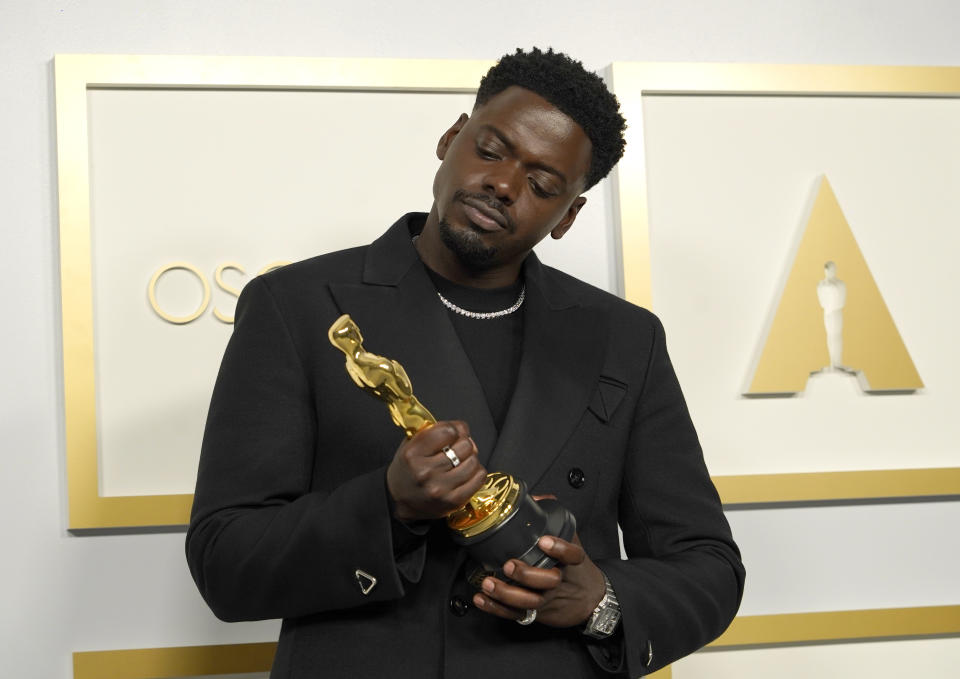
<point>483,215</point>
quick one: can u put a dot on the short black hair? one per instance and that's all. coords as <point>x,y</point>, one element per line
<point>575,91</point>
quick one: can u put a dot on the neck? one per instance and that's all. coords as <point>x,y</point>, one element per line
<point>436,255</point>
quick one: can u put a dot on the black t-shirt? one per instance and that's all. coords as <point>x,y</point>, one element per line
<point>493,345</point>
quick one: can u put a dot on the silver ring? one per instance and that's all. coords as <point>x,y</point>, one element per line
<point>529,617</point>
<point>452,456</point>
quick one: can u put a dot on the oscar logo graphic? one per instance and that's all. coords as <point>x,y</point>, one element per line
<point>831,321</point>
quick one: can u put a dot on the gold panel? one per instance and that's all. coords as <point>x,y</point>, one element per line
<point>177,661</point>
<point>880,623</point>
<point>631,82</point>
<point>820,486</point>
<point>755,630</point>
<point>796,345</point>
<point>74,76</point>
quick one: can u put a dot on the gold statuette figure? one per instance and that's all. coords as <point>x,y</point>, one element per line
<point>502,498</point>
<point>386,379</point>
<point>382,377</point>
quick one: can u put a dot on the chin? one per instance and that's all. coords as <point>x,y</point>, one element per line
<point>465,243</point>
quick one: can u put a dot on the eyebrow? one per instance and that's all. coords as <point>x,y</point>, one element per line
<point>487,127</point>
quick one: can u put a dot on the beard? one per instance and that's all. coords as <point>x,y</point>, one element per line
<point>467,246</point>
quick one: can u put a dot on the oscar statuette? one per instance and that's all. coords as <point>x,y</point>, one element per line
<point>501,521</point>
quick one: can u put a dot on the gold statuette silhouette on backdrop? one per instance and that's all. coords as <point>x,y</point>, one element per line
<point>862,339</point>
<point>501,501</point>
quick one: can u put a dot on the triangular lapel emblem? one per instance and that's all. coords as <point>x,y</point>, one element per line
<point>606,399</point>
<point>366,581</point>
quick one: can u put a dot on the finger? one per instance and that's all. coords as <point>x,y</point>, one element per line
<point>532,578</point>
<point>463,429</point>
<point>488,605</point>
<point>431,439</point>
<point>447,478</point>
<point>439,468</point>
<point>511,596</point>
<point>548,496</point>
<point>463,448</point>
<point>511,599</point>
<point>451,487</point>
<point>567,553</point>
<point>460,494</point>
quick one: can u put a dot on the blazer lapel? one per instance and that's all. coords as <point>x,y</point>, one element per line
<point>559,368</point>
<point>397,310</point>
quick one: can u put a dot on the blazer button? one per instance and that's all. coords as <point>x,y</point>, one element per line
<point>576,477</point>
<point>458,606</point>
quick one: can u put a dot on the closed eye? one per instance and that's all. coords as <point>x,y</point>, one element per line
<point>540,191</point>
<point>487,153</point>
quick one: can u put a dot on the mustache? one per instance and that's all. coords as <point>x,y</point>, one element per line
<point>489,201</point>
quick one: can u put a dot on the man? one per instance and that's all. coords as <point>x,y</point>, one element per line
<point>310,508</point>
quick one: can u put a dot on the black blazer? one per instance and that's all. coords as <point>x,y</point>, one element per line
<point>291,500</point>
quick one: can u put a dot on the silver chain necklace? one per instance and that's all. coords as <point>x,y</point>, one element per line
<point>481,315</point>
<point>484,315</point>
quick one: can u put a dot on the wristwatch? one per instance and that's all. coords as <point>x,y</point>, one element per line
<point>606,616</point>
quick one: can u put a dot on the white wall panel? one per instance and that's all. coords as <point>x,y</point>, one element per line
<point>849,558</point>
<point>920,658</point>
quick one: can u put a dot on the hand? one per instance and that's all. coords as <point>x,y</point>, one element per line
<point>423,482</point>
<point>563,596</point>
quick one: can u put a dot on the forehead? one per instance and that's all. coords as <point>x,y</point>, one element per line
<point>537,128</point>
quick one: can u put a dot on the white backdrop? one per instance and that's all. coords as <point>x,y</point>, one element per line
<point>63,593</point>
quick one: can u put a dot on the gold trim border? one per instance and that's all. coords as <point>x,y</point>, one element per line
<point>631,81</point>
<point>832,626</point>
<point>175,661</point>
<point>892,624</point>
<point>74,75</point>
<point>833,486</point>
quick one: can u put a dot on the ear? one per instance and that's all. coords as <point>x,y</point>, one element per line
<point>447,138</point>
<point>560,229</point>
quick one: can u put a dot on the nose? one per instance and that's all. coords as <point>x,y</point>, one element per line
<point>503,181</point>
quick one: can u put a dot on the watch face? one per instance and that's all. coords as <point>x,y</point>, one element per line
<point>607,621</point>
